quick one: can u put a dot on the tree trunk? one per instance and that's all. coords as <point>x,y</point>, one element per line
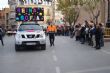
<point>70,23</point>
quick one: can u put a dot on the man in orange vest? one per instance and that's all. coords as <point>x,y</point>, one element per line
<point>51,30</point>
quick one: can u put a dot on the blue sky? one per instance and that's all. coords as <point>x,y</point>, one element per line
<point>3,3</point>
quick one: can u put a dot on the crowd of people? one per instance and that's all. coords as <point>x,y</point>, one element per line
<point>90,33</point>
<point>64,30</point>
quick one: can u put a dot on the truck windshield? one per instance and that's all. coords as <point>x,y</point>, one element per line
<point>24,27</point>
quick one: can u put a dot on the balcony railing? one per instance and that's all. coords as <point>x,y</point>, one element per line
<point>107,33</point>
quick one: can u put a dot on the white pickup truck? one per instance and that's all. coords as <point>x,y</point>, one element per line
<point>30,34</point>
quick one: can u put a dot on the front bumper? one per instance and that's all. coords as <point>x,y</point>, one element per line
<point>30,42</point>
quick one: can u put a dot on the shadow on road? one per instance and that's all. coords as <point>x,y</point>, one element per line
<point>29,49</point>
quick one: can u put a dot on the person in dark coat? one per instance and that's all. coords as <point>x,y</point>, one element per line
<point>98,36</point>
<point>1,36</point>
<point>82,34</point>
<point>71,29</point>
<point>102,35</point>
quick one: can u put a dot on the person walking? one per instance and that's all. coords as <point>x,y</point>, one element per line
<point>1,36</point>
<point>82,34</point>
<point>51,30</point>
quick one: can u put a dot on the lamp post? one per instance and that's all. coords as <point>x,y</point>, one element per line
<point>108,18</point>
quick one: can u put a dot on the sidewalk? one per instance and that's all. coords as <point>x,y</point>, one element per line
<point>106,48</point>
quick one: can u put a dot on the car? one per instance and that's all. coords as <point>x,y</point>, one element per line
<point>30,34</point>
<point>11,32</point>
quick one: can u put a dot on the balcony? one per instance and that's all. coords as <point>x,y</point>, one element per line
<point>12,15</point>
<point>12,7</point>
<point>11,2</point>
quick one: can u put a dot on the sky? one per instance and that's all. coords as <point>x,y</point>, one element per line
<point>3,4</point>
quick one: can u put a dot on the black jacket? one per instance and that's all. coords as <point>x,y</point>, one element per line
<point>98,33</point>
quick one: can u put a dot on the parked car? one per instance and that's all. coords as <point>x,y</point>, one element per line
<point>30,34</point>
<point>10,32</point>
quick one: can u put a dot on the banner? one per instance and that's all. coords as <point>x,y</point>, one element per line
<point>29,14</point>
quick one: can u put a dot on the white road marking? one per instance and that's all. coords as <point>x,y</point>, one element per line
<point>58,70</point>
<point>55,58</point>
<point>105,52</point>
<point>90,70</point>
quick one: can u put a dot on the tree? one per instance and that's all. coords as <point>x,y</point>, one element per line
<point>92,6</point>
<point>70,9</point>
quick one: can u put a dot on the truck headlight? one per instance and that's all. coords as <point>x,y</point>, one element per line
<point>18,36</point>
<point>41,35</point>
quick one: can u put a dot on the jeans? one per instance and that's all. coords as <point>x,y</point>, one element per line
<point>102,41</point>
<point>51,38</point>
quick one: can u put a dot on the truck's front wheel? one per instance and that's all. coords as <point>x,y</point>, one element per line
<point>43,47</point>
<point>17,47</point>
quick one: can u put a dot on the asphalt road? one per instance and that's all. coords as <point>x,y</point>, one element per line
<point>67,56</point>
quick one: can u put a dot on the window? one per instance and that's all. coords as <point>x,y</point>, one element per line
<point>29,27</point>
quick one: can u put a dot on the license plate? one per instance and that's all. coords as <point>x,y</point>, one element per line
<point>30,43</point>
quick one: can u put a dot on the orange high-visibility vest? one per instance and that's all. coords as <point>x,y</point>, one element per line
<point>51,28</point>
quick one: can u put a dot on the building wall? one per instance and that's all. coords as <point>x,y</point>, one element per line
<point>6,11</point>
<point>2,18</point>
<point>85,15</point>
<point>12,5</point>
<point>4,15</point>
<point>105,12</point>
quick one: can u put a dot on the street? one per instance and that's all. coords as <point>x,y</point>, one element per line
<point>67,56</point>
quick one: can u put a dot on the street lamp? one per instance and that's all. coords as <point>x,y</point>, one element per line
<point>108,19</point>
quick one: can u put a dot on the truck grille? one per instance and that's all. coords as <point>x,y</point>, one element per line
<point>23,36</point>
<point>37,36</point>
<point>30,36</point>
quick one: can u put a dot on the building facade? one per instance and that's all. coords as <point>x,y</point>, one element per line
<point>50,12</point>
<point>12,6</point>
<point>29,3</point>
<point>102,7</point>
<point>4,17</point>
<point>7,11</point>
